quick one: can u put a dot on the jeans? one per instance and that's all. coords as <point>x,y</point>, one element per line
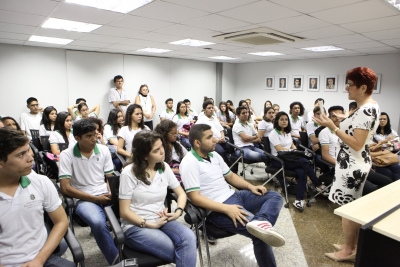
<point>173,242</point>
<point>259,208</point>
<point>391,171</point>
<point>252,153</point>
<point>185,142</point>
<point>57,261</point>
<point>118,164</point>
<point>221,149</point>
<point>303,169</point>
<point>93,215</point>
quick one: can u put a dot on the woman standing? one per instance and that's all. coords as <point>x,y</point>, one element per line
<point>48,121</point>
<point>62,132</point>
<point>353,160</point>
<point>147,225</point>
<point>183,121</point>
<point>148,104</point>
<point>225,116</point>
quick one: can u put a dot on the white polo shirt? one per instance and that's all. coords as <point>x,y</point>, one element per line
<point>296,125</point>
<point>175,155</point>
<point>265,126</point>
<point>30,122</point>
<point>214,123</point>
<point>56,137</point>
<point>22,230</point>
<point>310,128</point>
<point>108,133</point>
<point>167,115</point>
<point>114,95</point>
<point>206,176</point>
<point>86,174</point>
<point>77,117</point>
<point>181,121</point>
<point>146,200</point>
<point>44,132</point>
<point>327,138</point>
<point>380,137</point>
<point>128,135</point>
<point>222,117</point>
<point>277,138</point>
<point>239,128</point>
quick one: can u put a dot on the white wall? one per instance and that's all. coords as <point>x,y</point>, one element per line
<point>250,82</point>
<point>228,81</point>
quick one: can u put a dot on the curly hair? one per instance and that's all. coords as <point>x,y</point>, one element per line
<point>362,76</point>
<point>163,128</point>
<point>300,105</point>
<point>128,116</point>
<point>97,121</point>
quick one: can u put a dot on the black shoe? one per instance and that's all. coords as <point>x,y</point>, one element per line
<point>211,240</point>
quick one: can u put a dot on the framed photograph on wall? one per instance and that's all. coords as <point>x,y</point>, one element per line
<point>269,82</point>
<point>297,83</point>
<point>344,83</point>
<point>313,83</point>
<point>282,83</point>
<point>377,88</point>
<point>331,83</point>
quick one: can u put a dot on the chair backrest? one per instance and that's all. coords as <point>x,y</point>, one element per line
<point>267,148</point>
<point>45,143</point>
<point>113,181</point>
<point>35,157</point>
<point>36,139</point>
<point>62,146</point>
<point>229,134</point>
<point>304,139</point>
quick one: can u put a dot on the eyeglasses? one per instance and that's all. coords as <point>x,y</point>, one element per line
<point>349,85</point>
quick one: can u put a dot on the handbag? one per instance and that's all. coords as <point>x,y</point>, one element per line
<point>384,158</point>
<point>293,155</point>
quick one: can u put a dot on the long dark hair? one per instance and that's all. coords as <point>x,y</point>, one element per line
<point>128,116</point>
<point>3,119</point>
<point>387,129</point>
<point>288,128</point>
<point>81,105</point>
<point>45,117</point>
<point>231,108</point>
<point>163,128</point>
<point>113,120</point>
<point>59,125</point>
<point>178,108</point>
<point>141,147</point>
<point>265,112</point>
<point>265,106</point>
<point>226,112</point>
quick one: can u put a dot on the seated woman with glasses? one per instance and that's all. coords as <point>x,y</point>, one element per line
<point>385,133</point>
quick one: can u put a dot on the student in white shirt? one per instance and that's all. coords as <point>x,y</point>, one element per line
<point>134,123</point>
<point>114,123</point>
<point>296,122</point>
<point>191,111</point>
<point>118,97</point>
<point>266,126</point>
<point>31,121</point>
<point>267,104</point>
<point>99,129</point>
<point>147,225</point>
<point>230,106</point>
<point>225,116</point>
<point>385,133</point>
<point>146,101</point>
<point>48,121</point>
<point>251,116</point>
<point>183,120</point>
<point>24,195</point>
<point>11,122</point>
<point>311,126</point>
<point>84,112</point>
<point>168,113</point>
<point>62,132</point>
<point>310,114</point>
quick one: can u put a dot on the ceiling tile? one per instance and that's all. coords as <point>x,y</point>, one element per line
<point>137,42</point>
<point>184,30</point>
<point>14,36</point>
<point>303,44</point>
<point>58,33</point>
<point>123,47</point>
<point>392,42</point>
<point>37,7</point>
<point>347,39</point>
<point>216,23</point>
<point>117,31</point>
<point>211,5</point>
<point>42,44</point>
<point>324,32</point>
<point>380,50</point>
<point>81,48</point>
<point>308,6</point>
<point>350,13</point>
<point>84,14</point>
<point>295,24</point>
<point>140,23</point>
<point>372,25</point>
<point>102,38</point>
<point>89,44</point>
<point>20,18</point>
<point>167,12</point>
<point>383,35</point>
<point>370,44</point>
<point>7,41</point>
<point>260,11</point>
<point>158,37</point>
<point>16,28</point>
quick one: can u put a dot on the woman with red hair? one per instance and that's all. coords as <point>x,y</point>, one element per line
<point>353,160</point>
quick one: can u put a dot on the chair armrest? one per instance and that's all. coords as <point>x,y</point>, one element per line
<point>274,157</point>
<point>74,246</point>
<point>121,158</point>
<point>69,202</point>
<point>309,150</point>
<point>115,226</point>
<point>236,147</point>
<point>326,163</point>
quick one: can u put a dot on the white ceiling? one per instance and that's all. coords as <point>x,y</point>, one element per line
<point>362,27</point>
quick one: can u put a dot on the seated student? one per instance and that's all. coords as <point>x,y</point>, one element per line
<point>280,139</point>
<point>218,131</point>
<point>24,195</point>
<point>352,108</point>
<point>251,118</point>
<point>225,116</point>
<point>118,97</point>
<point>99,129</point>
<point>114,123</point>
<point>82,170</point>
<point>184,122</point>
<point>84,112</point>
<point>168,113</point>
<point>310,114</point>
<point>311,126</point>
<point>244,136</point>
<point>11,123</point>
<point>74,108</point>
<point>62,132</point>
<point>48,121</point>
<point>134,123</point>
<point>329,142</point>
<point>276,108</point>
<point>267,104</point>
<point>31,121</point>
<point>229,105</point>
<point>174,151</point>
<point>266,126</point>
<point>147,225</point>
<point>190,111</point>
<point>385,133</point>
<point>207,180</point>
<point>296,121</point>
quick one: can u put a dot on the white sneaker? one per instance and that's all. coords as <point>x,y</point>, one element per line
<point>264,231</point>
<point>299,204</point>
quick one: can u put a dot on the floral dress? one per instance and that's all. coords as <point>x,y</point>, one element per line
<point>352,167</point>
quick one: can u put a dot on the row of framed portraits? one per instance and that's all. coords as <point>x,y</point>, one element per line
<point>313,83</point>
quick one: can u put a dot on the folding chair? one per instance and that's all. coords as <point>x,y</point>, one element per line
<point>40,163</point>
<point>327,188</point>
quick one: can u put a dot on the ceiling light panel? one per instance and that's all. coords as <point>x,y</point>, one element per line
<point>121,6</point>
<point>191,42</point>
<point>224,58</point>
<point>51,40</point>
<point>266,54</point>
<point>154,50</point>
<point>69,25</point>
<point>323,48</point>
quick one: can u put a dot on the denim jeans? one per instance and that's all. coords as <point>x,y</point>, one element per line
<point>173,242</point>
<point>302,168</point>
<point>391,171</point>
<point>259,208</point>
<point>185,142</point>
<point>221,149</point>
<point>252,153</point>
<point>93,215</point>
<point>57,261</point>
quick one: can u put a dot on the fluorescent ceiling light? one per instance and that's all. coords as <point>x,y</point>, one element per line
<point>266,54</point>
<point>51,40</point>
<point>225,58</point>
<point>323,48</point>
<point>154,50</point>
<point>191,42</point>
<point>69,25</point>
<point>395,3</point>
<point>121,6</point>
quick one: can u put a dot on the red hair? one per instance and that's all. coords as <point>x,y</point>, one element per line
<point>363,76</point>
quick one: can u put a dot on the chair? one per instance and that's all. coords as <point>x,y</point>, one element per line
<point>40,163</point>
<point>62,146</point>
<point>45,143</point>
<point>326,189</point>
<point>36,139</point>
